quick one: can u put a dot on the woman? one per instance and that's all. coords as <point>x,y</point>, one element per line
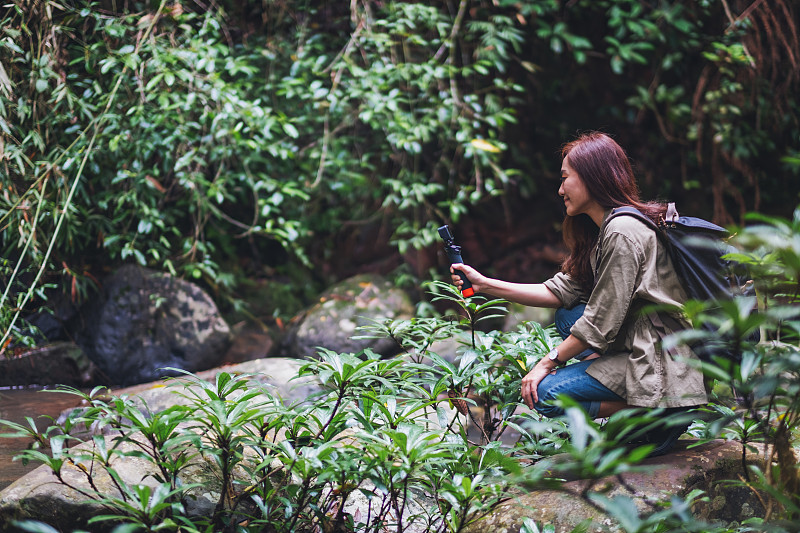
<point>617,270</point>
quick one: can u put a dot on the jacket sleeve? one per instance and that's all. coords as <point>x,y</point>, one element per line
<point>566,290</point>
<point>618,277</point>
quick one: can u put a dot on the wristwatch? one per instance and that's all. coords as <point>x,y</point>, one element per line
<point>553,356</point>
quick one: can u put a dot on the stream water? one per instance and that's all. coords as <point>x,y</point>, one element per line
<point>15,405</point>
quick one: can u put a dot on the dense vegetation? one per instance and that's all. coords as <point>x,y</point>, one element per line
<point>379,450</point>
<point>294,143</point>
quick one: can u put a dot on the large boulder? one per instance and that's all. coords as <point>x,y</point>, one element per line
<point>279,375</point>
<point>333,321</point>
<point>145,321</point>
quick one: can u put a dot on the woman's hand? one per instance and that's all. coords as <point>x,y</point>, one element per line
<point>477,279</point>
<point>530,383</point>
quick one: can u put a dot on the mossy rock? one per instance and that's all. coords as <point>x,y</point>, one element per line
<point>333,322</point>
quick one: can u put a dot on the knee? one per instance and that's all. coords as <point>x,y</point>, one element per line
<point>564,319</point>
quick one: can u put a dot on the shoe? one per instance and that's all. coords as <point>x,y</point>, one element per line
<point>664,436</point>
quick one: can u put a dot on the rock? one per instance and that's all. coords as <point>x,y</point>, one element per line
<point>277,374</point>
<point>39,496</point>
<point>678,472</point>
<point>62,363</point>
<point>145,321</point>
<point>250,342</point>
<point>332,322</point>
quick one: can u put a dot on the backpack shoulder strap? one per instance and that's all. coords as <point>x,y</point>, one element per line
<point>635,213</point>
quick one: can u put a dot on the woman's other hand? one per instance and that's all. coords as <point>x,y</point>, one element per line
<point>530,383</point>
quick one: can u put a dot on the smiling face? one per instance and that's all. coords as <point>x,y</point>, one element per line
<point>576,196</point>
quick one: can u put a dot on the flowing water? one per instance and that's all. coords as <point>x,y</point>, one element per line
<point>15,405</point>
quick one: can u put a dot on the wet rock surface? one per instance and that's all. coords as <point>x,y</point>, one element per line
<point>61,362</point>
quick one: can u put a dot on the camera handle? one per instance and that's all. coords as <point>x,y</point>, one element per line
<point>454,256</point>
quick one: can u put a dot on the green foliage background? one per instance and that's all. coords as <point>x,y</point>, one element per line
<point>296,141</point>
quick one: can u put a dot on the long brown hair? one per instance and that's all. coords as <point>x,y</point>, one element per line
<point>606,171</point>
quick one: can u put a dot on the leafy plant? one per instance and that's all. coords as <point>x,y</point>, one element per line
<point>379,430</point>
<point>761,408</point>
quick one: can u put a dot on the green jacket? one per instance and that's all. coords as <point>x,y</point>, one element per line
<point>633,271</point>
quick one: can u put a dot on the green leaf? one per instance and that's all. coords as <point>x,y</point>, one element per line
<point>290,130</point>
<point>32,526</point>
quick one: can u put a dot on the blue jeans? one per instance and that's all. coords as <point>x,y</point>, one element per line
<point>573,381</point>
<point>564,320</point>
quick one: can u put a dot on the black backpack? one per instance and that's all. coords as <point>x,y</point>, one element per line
<point>697,247</point>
